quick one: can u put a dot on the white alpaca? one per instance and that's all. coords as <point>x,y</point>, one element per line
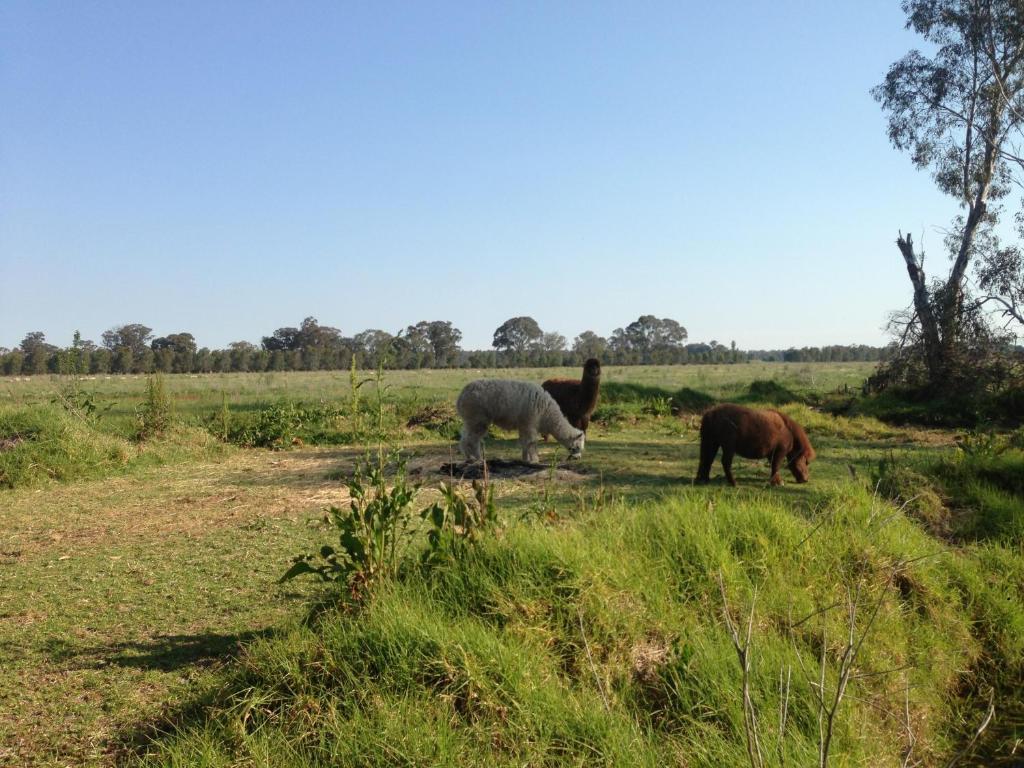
<point>520,405</point>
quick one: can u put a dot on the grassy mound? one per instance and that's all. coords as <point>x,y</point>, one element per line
<point>601,641</point>
<point>770,392</point>
<point>625,399</point>
<point>44,443</point>
<point>987,492</point>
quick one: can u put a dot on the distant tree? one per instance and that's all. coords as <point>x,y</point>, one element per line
<point>203,361</point>
<point>443,339</point>
<point>550,348</point>
<point>312,335</point>
<point>372,346</point>
<point>13,362</point>
<point>482,359</point>
<point>412,349</point>
<point>164,360</point>
<point>134,336</point>
<point>959,111</point>
<point>175,352</point>
<point>552,341</point>
<point>36,353</point>
<point>649,339</point>
<point>516,335</point>
<point>283,339</point>
<point>33,340</point>
<point>278,360</point>
<point>588,344</point>
<point>122,360</point>
<point>145,362</point>
<point>240,355</point>
<point>99,361</point>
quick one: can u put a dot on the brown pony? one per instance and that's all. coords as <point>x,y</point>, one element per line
<point>753,435</point>
<point>577,399</point>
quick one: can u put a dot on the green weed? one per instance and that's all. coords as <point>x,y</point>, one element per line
<point>373,531</point>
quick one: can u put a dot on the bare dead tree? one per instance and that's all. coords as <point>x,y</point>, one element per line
<point>957,113</point>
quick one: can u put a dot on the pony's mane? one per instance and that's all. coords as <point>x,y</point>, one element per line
<point>799,436</point>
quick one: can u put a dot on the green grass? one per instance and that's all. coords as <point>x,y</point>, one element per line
<point>599,643</point>
<point>48,442</point>
<point>197,396</point>
<point>141,620</point>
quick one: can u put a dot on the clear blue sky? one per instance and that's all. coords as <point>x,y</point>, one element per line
<point>229,168</point>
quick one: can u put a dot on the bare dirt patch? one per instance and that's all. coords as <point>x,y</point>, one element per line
<point>498,469</point>
<point>191,499</point>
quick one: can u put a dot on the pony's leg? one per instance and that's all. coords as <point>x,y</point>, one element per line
<point>528,442</point>
<point>727,465</point>
<point>708,449</point>
<point>778,456</point>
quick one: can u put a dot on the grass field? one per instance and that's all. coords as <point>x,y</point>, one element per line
<point>142,620</point>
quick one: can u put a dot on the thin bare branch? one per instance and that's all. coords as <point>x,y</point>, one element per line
<point>743,654</point>
<point>977,732</point>
<point>590,658</point>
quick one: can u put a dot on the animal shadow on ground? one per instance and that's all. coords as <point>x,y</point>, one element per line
<point>495,469</point>
<point>163,652</point>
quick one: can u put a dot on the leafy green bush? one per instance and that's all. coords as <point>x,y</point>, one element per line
<point>910,406</point>
<point>373,531</point>
<point>281,424</point>
<point>456,523</point>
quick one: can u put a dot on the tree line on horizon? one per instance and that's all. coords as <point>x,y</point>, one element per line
<point>518,342</point>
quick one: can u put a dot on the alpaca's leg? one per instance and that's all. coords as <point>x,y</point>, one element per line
<point>727,465</point>
<point>708,449</point>
<point>584,422</point>
<point>528,442</point>
<point>472,440</point>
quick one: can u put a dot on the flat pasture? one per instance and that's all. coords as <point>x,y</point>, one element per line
<point>141,617</point>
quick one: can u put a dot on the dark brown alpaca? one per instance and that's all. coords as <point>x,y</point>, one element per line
<point>753,435</point>
<point>577,399</point>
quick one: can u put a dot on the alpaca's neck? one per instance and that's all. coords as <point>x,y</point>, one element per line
<point>589,387</point>
<point>554,423</point>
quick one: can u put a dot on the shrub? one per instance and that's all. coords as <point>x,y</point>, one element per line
<point>153,417</point>
<point>280,424</point>
<point>457,522</point>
